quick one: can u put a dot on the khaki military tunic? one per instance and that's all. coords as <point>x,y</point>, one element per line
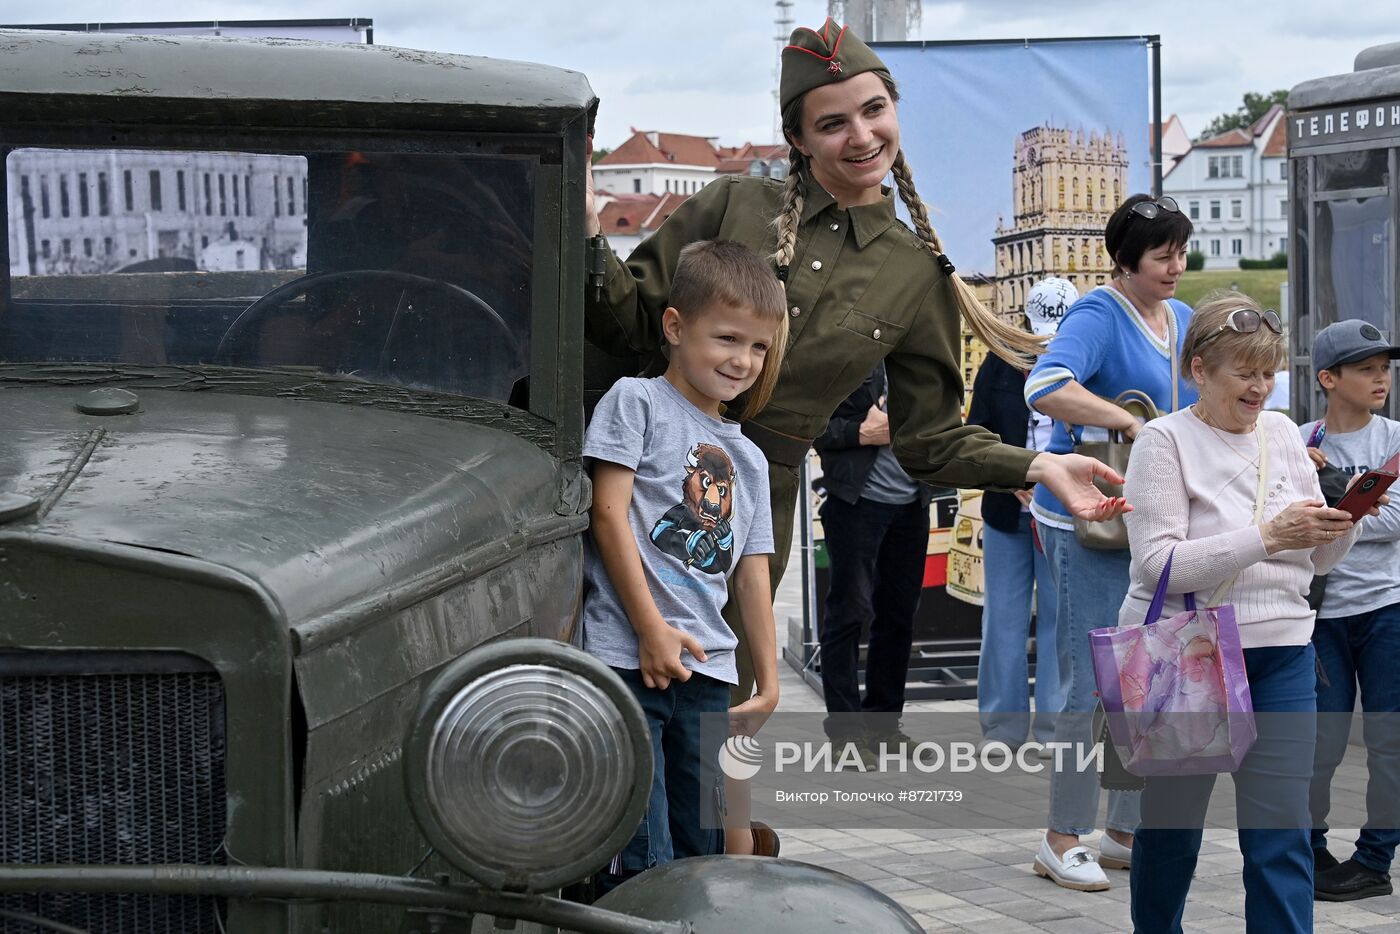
<point>862,287</point>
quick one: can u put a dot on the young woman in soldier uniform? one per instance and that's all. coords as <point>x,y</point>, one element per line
<point>861,287</point>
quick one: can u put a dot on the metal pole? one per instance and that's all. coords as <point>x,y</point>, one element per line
<point>807,551</point>
<point>1155,44</point>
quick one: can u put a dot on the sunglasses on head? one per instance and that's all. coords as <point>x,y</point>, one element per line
<point>1247,321</point>
<point>1150,209</point>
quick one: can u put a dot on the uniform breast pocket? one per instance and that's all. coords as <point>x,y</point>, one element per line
<point>850,350</point>
<point>880,330</point>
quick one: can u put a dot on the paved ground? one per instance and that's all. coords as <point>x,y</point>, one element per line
<point>962,880</point>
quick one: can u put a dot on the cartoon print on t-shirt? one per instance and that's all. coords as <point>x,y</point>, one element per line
<point>697,528</point>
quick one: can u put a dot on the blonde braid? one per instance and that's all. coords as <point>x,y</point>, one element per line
<point>1013,345</point>
<point>788,219</point>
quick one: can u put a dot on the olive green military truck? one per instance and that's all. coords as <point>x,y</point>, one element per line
<point>291,503</point>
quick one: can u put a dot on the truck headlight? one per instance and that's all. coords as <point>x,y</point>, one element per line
<point>528,764</point>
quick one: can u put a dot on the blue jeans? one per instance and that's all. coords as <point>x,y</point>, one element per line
<point>1271,798</point>
<point>1089,590</point>
<point>1012,563</point>
<point>671,827</point>
<point>1364,648</point>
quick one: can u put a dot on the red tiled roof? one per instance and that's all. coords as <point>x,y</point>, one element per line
<point>627,216</point>
<point>669,202</point>
<point>1246,137</point>
<point>669,148</point>
<point>637,149</point>
<point>1262,123</point>
<point>738,164</point>
<point>1236,137</point>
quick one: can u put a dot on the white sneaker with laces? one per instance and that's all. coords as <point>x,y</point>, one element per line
<point>1077,869</point>
<point>1114,855</point>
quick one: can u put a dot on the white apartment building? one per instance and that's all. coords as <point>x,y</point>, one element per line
<point>86,211</point>
<point>1176,142</point>
<point>651,163</point>
<point>1234,187</point>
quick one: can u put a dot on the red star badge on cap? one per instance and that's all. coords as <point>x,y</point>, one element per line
<point>834,68</point>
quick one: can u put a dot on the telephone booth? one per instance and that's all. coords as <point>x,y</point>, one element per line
<point>1343,154</point>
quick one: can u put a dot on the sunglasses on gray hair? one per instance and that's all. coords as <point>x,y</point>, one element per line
<point>1246,321</point>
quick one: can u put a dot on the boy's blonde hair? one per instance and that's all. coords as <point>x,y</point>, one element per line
<point>712,272</point>
<point>1262,349</point>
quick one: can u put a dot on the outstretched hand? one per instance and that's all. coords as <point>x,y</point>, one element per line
<point>1071,478</point>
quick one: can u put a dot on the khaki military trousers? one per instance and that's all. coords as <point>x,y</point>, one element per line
<point>783,483</point>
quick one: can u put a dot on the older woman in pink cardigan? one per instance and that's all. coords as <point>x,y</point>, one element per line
<point>1194,478</point>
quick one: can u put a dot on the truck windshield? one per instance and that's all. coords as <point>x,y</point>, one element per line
<point>405,269</point>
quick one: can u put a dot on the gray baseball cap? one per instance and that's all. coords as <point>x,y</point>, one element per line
<point>1348,342</point>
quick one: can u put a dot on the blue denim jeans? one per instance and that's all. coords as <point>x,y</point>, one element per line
<point>1271,800</point>
<point>1011,564</point>
<point>1363,648</point>
<point>1089,590</point>
<point>672,827</point>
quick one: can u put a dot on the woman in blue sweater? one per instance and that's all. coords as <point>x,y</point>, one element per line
<point>1117,337</point>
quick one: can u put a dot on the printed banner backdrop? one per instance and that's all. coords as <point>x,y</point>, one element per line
<point>992,131</point>
<point>964,108</point>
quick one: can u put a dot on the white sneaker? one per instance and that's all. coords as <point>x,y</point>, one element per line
<point>1114,855</point>
<point>1077,869</point>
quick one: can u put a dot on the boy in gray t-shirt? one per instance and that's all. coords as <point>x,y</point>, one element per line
<point>1357,633</point>
<point>680,503</point>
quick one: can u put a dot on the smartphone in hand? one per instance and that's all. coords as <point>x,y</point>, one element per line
<point>1363,494</point>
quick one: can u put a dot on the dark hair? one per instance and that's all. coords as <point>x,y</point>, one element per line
<point>1127,235</point>
<point>722,272</point>
<point>1337,368</point>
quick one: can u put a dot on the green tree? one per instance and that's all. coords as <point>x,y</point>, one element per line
<point>598,154</point>
<point>1255,106</point>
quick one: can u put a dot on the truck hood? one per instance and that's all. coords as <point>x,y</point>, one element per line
<point>324,506</point>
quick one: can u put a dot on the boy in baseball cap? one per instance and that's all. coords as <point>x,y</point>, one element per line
<point>1357,633</point>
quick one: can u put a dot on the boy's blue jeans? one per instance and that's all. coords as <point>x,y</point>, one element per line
<point>683,776</point>
<point>1011,564</point>
<point>1271,795</point>
<point>1363,648</point>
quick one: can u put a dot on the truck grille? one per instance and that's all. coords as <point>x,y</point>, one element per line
<point>112,758</point>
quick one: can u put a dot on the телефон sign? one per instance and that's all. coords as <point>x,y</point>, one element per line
<point>1372,120</point>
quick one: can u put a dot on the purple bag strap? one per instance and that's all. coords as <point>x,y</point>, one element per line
<point>1159,599</point>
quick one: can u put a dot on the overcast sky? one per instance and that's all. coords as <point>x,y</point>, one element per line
<point>707,66</point>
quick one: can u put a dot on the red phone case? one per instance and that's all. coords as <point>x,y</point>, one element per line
<point>1364,492</point>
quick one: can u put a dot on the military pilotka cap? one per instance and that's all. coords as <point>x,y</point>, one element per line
<point>812,59</point>
<point>1349,342</point>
